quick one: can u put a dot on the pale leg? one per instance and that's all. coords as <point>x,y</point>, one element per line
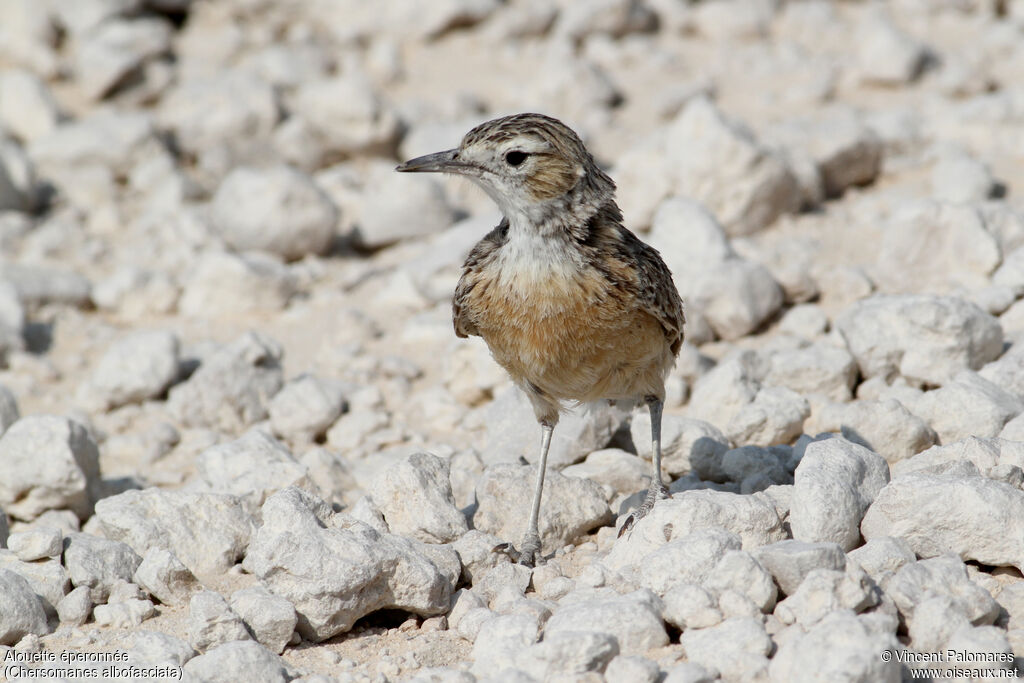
<point>531,542</point>
<point>657,489</point>
<point>530,548</point>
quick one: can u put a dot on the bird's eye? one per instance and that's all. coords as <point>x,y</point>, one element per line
<point>515,157</point>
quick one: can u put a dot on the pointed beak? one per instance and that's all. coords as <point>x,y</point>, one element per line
<point>439,162</point>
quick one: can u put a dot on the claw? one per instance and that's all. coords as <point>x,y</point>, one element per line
<point>526,557</point>
<point>654,494</point>
<point>626,525</point>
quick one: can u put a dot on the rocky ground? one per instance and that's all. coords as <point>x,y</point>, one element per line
<point>240,440</point>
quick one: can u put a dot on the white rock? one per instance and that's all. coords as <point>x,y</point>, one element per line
<point>1007,371</point>
<point>74,609</point>
<point>756,468</point>
<point>136,368</point>
<point>346,117</point>
<point>36,544</point>
<point>306,406</point>
<point>967,406</point>
<point>416,498</point>
<point>824,591</point>
<point>882,556</point>
<point>724,21</point>
<point>570,506</point>
<point>113,51</point>
<point>29,36</point>
<point>723,391</point>
<point>21,612</point>
<point>961,178</point>
<point>252,468</point>
<point>567,654</point>
<point>211,622</point>
<point>632,668</point>
<point>162,575</point>
<point>153,648</point>
<point>990,642</point>
<point>834,484</point>
<point>132,290</point>
<point>18,190</point>
<point>804,320</point>
<point>475,549</point>
<point>633,619</point>
<point>51,463</point>
<point>789,562</point>
<point>817,369</point>
<point>925,338</point>
<point>370,571</point>
<point>48,578</point>
<point>173,520</point>
<point>839,647</point>
<point>753,518</point>
<point>937,246</point>
<point>395,206</point>
<point>686,445</point>
<point>737,648</point>
<point>512,431</point>
<point>720,164</point>
<point>27,108</point>
<point>937,514</point>
<point>270,618</point>
<point>232,387</point>
<point>688,237</point>
<point>98,563</point>
<point>846,150</point>
<point>944,575</point>
<point>739,571</point>
<point>39,284</point>
<point>690,559</point>
<point>224,284</point>
<point>985,454</point>
<point>689,606</point>
<point>128,614</point>
<point>239,660</point>
<point>776,415</point>
<point>230,108</point>
<point>499,641</point>
<point>885,54</point>
<point>612,17</point>
<point>12,333</point>
<point>688,672</point>
<point>621,471</point>
<point>883,426</point>
<point>936,618</point>
<point>105,138</point>
<point>735,296</point>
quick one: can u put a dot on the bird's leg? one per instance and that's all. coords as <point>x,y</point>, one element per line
<point>657,489</point>
<point>530,548</point>
<point>531,542</point>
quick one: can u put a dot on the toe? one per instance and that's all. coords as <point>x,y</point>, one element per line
<point>626,525</point>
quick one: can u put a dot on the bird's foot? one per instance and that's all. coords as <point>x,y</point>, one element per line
<point>654,494</point>
<point>527,555</point>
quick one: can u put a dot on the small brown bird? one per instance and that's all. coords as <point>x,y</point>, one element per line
<point>572,304</point>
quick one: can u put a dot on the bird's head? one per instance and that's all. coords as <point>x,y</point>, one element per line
<point>531,165</point>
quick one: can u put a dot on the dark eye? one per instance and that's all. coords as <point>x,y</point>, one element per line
<point>515,157</point>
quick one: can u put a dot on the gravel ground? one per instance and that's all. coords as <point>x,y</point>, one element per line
<point>240,441</point>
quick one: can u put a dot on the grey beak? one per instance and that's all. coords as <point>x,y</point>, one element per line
<point>439,162</point>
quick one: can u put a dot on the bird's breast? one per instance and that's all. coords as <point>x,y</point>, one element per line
<point>561,326</point>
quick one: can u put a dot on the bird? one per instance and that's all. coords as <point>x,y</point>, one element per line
<point>573,305</point>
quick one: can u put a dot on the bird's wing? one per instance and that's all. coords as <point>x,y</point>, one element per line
<point>471,271</point>
<point>656,290</point>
